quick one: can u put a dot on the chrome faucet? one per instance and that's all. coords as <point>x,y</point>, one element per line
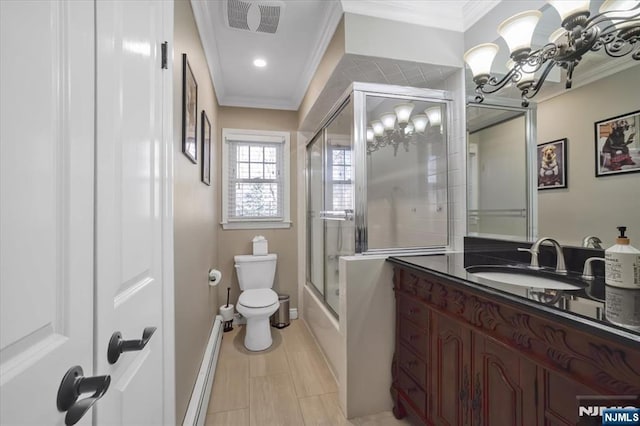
<point>587,273</point>
<point>535,250</point>
<point>592,240</point>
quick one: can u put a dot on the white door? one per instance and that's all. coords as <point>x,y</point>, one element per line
<point>130,206</point>
<point>73,274</point>
<point>46,203</point>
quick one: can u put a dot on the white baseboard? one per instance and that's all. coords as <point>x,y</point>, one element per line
<point>198,404</point>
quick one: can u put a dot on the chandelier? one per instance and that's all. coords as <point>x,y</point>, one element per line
<point>400,128</point>
<point>616,30</point>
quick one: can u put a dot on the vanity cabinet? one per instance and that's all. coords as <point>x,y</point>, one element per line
<point>463,357</point>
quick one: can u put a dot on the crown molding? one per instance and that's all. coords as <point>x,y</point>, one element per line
<point>438,14</point>
<point>203,16</point>
<point>473,11</point>
<point>329,25</point>
<point>254,102</point>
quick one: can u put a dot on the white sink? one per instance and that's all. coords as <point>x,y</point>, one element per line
<point>523,280</point>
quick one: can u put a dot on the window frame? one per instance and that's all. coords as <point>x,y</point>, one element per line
<point>259,137</point>
<point>331,181</point>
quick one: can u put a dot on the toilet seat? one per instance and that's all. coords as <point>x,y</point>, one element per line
<point>258,298</point>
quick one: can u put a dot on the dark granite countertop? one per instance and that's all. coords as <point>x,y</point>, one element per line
<point>581,308</point>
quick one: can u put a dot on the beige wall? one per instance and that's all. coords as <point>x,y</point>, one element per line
<point>590,205</point>
<point>384,38</point>
<point>283,242</point>
<point>195,216</point>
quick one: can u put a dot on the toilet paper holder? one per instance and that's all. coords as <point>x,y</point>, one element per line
<point>215,276</point>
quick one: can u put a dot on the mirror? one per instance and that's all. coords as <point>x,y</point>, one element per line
<point>590,204</point>
<point>498,201</point>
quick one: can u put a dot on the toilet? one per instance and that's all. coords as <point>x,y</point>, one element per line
<point>258,301</point>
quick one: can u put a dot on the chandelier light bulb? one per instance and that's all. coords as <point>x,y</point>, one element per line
<point>419,122</point>
<point>434,115</point>
<point>388,120</point>
<point>570,8</point>
<point>480,58</point>
<point>403,112</point>
<point>369,134</point>
<point>623,12</point>
<point>517,32</point>
<point>378,127</point>
<point>408,130</point>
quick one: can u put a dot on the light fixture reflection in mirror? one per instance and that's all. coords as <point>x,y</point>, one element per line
<point>401,128</point>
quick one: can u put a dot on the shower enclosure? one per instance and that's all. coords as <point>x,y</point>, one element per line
<point>376,180</point>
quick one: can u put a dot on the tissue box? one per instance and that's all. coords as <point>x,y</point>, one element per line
<point>260,246</point>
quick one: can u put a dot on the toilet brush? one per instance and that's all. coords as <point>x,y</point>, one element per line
<point>228,325</point>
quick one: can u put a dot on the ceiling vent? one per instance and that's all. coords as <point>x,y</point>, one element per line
<point>256,16</point>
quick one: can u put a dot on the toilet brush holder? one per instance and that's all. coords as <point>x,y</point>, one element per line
<point>226,312</point>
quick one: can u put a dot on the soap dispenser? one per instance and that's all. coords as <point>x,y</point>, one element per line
<point>622,263</point>
<point>622,279</point>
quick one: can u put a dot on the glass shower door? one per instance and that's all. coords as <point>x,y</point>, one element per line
<point>339,226</point>
<point>330,228</point>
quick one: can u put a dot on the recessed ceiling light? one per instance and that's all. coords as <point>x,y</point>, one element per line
<point>260,63</point>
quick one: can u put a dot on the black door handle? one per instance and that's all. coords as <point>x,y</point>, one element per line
<point>75,384</point>
<point>117,345</point>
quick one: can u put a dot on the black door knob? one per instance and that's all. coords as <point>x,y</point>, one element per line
<point>117,345</point>
<point>75,384</point>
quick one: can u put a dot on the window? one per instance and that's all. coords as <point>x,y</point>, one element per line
<point>255,179</point>
<point>340,181</point>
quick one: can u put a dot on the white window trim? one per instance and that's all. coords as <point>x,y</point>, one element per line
<point>255,136</point>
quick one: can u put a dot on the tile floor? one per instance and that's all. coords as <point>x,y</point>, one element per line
<point>288,384</point>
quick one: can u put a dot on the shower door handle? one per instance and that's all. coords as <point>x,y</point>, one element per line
<point>341,215</point>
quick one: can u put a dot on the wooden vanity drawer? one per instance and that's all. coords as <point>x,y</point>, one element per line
<point>414,310</point>
<point>415,393</point>
<point>414,337</point>
<point>413,365</point>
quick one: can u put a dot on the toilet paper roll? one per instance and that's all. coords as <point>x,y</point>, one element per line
<point>226,312</point>
<point>215,277</point>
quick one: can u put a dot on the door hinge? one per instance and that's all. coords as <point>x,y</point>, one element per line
<point>163,63</point>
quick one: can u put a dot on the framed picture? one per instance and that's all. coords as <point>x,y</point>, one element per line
<point>206,149</point>
<point>618,145</point>
<point>552,164</point>
<point>189,111</point>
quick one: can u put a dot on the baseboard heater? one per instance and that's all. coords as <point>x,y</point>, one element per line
<point>197,410</point>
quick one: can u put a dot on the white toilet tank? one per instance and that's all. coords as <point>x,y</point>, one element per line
<point>255,271</point>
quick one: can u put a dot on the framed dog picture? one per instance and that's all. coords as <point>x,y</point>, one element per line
<point>552,164</point>
<point>618,145</point>
<point>206,149</point>
<point>189,112</point>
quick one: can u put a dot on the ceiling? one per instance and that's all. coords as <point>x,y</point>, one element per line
<point>304,28</point>
<point>294,50</point>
